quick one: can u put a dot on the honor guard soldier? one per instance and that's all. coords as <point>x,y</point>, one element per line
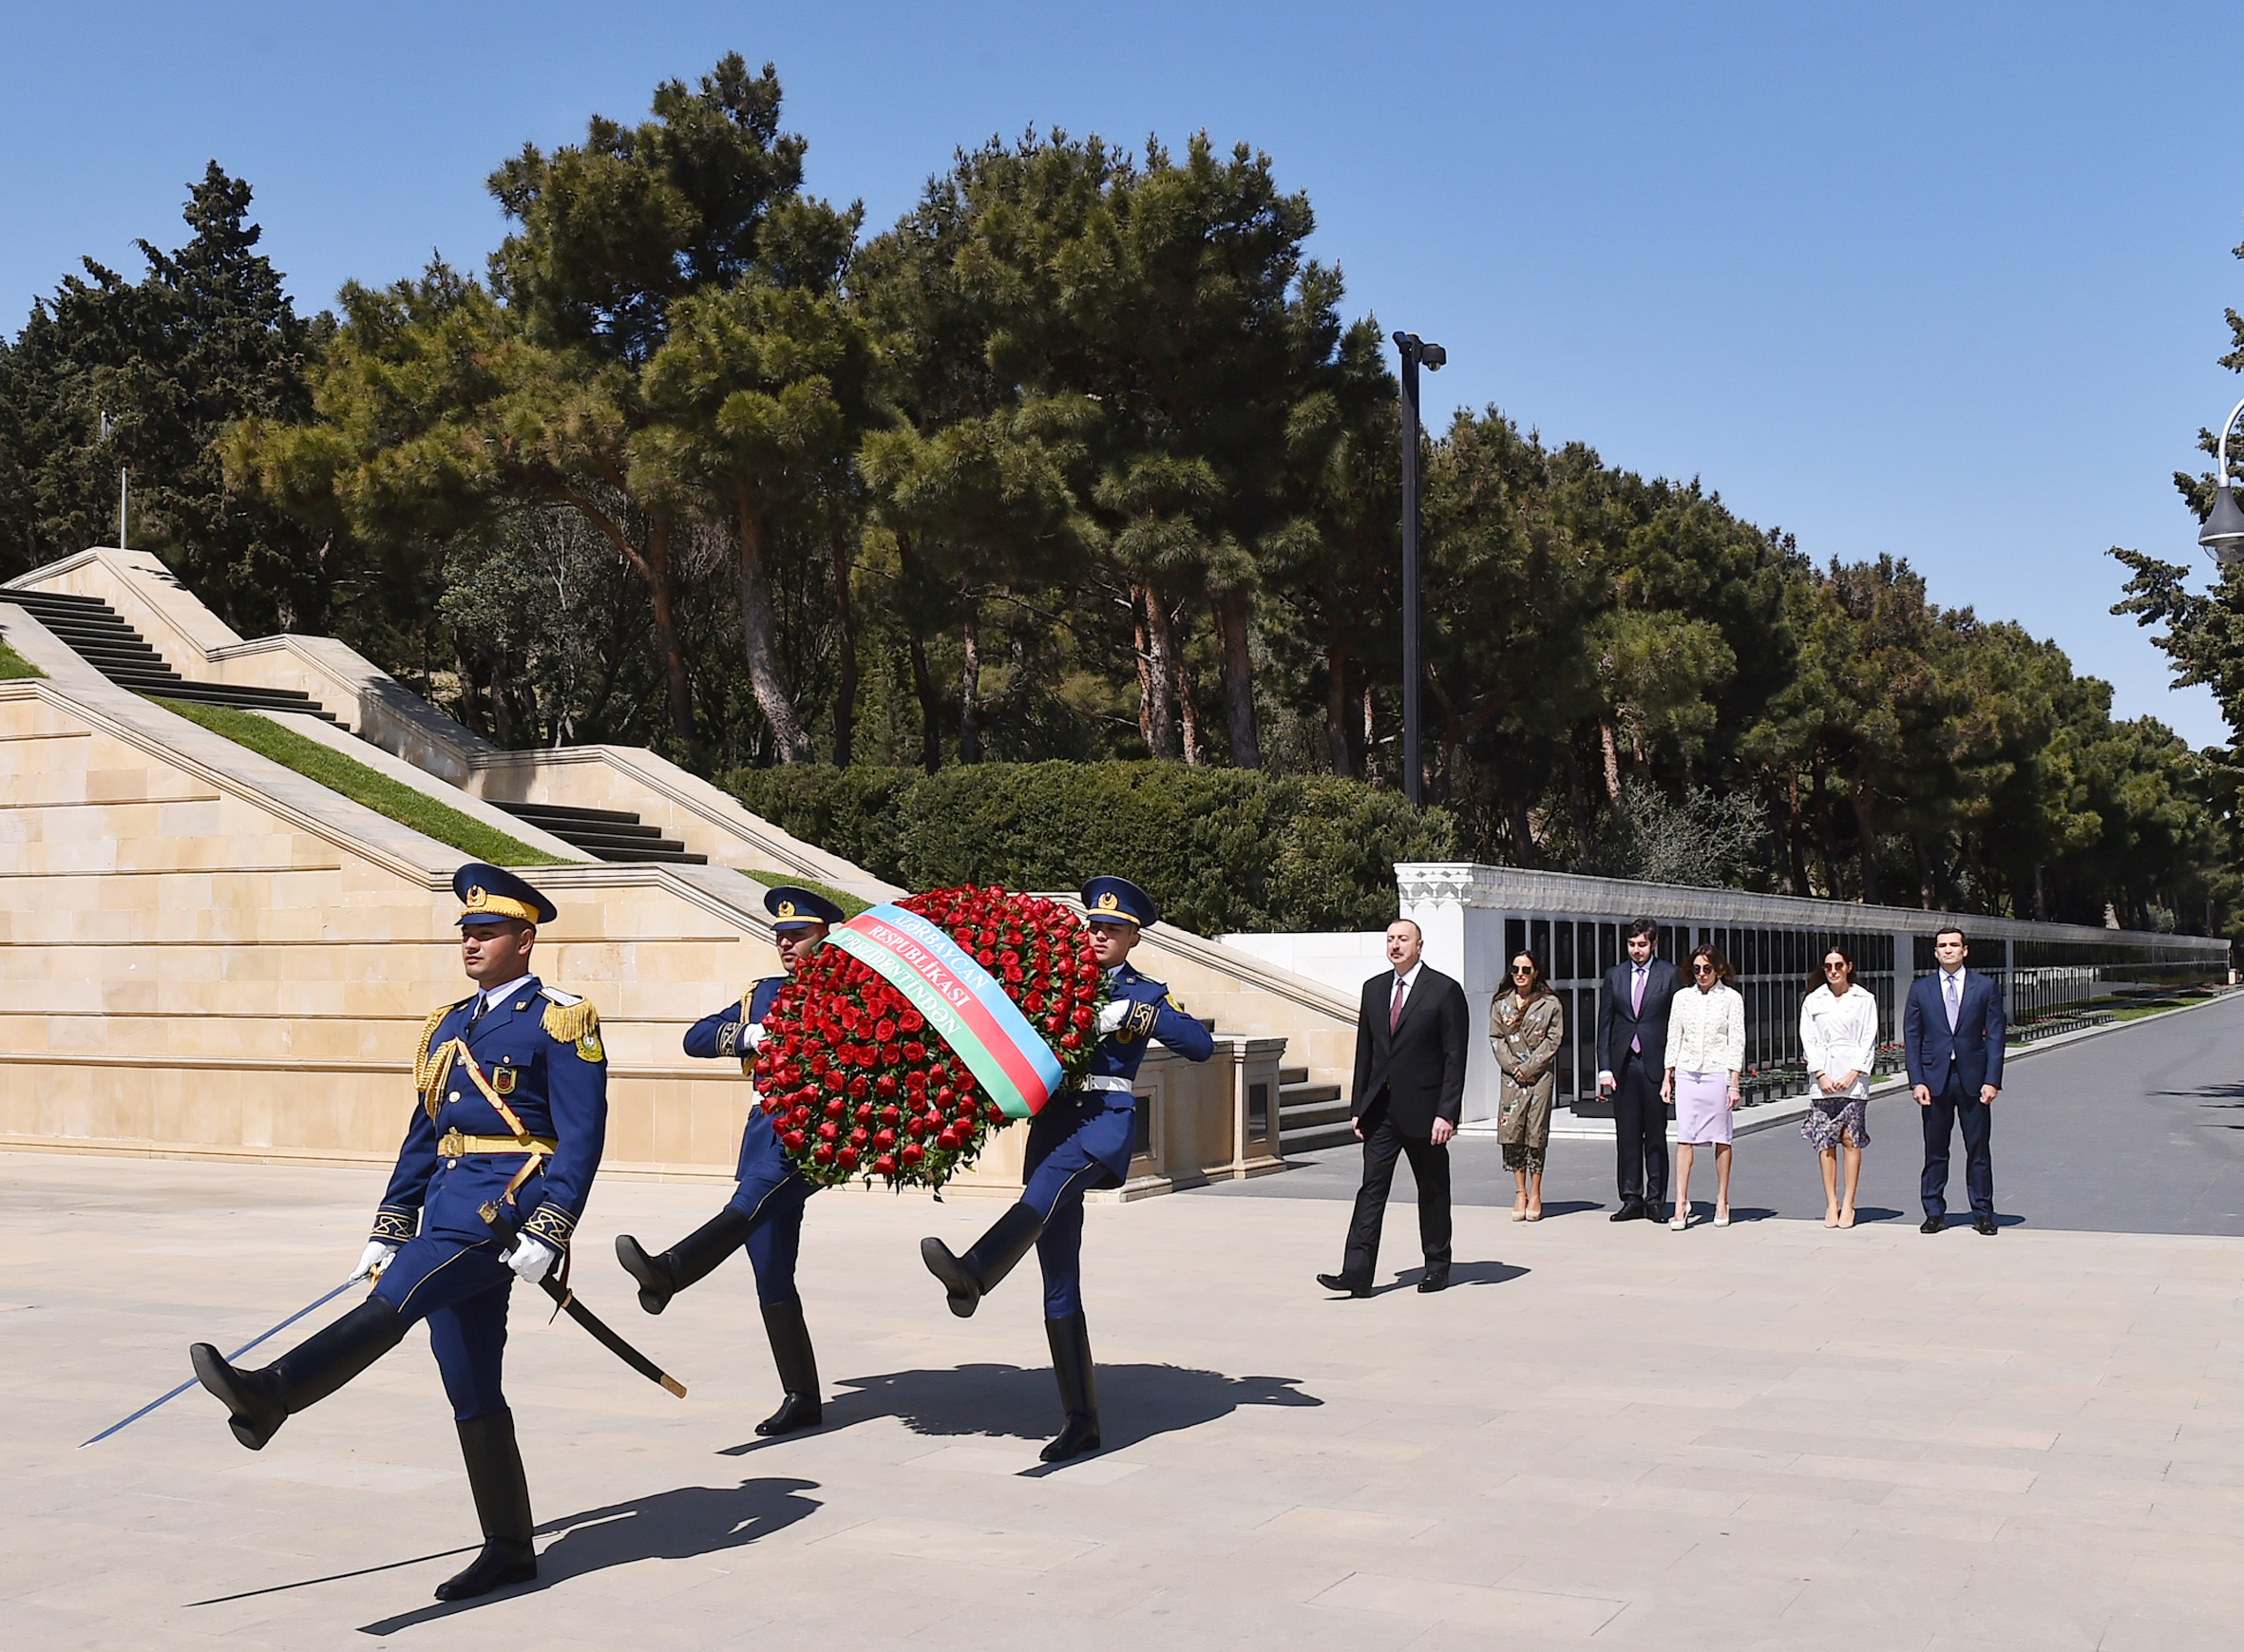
<point>765,1214</point>
<point>1080,1141</point>
<point>505,1141</point>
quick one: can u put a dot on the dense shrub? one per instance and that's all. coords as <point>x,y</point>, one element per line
<point>1219,848</point>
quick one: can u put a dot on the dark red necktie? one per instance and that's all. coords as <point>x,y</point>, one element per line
<point>1395,1008</point>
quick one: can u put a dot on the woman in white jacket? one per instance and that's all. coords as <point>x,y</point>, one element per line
<point>1839,1037</point>
<point>1706,1053</point>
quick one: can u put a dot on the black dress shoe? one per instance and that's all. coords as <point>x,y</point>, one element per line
<point>1347,1287</point>
<point>1983,1225</point>
<point>1435,1282</point>
<point>1631,1210</point>
<point>1932,1224</point>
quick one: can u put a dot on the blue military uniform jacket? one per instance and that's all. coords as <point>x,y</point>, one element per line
<point>722,1034</point>
<point>764,1164</point>
<point>535,1055</point>
<point>1121,1052</point>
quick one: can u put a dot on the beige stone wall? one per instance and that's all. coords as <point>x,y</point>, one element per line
<point>189,964</point>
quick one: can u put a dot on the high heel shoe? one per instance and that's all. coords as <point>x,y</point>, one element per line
<point>1680,1220</point>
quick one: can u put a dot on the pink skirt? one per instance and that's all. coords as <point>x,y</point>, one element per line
<point>1702,1107</point>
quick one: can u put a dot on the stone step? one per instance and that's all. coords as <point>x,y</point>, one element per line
<point>555,811</point>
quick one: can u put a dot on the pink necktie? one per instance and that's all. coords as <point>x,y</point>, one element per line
<point>1636,1006</point>
<point>1394,1009</point>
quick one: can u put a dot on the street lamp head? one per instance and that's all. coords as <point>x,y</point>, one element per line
<point>1418,352</point>
<point>2223,533</point>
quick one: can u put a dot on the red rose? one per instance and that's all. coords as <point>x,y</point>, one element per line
<point>885,1033</point>
<point>947,1139</point>
<point>885,1083</point>
<point>911,1022</point>
<point>913,1154</point>
<point>890,1114</point>
<point>859,1136</point>
<point>1051,1023</point>
<point>835,1107</point>
<point>846,1158</point>
<point>1071,1041</point>
<point>915,1052</point>
<point>828,1130</point>
<point>859,1089</point>
<point>823,1154</point>
<point>985,957</point>
<point>884,1164</point>
<point>795,1141</point>
<point>883,1139</point>
<point>1083,1019</point>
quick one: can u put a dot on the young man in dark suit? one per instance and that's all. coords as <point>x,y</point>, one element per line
<point>1409,1095</point>
<point>1631,1052</point>
<point>1951,1034</point>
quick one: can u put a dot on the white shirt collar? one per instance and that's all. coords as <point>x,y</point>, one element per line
<point>1955,975</point>
<point>1410,981</point>
<point>492,994</point>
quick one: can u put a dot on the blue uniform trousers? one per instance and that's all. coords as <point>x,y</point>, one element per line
<point>1079,1142</point>
<point>771,1194</point>
<point>463,1291</point>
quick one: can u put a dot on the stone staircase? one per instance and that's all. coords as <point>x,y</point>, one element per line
<point>99,637</point>
<point>605,834</point>
<point>1310,1116</point>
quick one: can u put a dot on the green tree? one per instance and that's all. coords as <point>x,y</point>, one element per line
<point>205,337</point>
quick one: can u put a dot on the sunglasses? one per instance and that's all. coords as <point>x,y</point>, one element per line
<point>1523,969</point>
<point>1702,969</point>
<point>1835,968</point>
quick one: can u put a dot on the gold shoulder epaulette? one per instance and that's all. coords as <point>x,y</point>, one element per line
<point>572,1023</point>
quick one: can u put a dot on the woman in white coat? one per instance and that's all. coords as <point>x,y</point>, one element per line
<point>1839,1037</point>
<point>1706,1053</point>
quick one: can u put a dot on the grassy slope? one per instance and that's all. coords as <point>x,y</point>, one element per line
<point>360,784</point>
<point>14,665</point>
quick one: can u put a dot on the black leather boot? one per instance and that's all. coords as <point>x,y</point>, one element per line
<point>690,1260</point>
<point>314,1368</point>
<point>967,1278</point>
<point>1078,1387</point>
<point>801,1406</point>
<point>502,1509</point>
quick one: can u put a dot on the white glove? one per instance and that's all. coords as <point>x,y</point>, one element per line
<point>375,1256</point>
<point>531,1261</point>
<point>751,1037</point>
<point>1113,1014</point>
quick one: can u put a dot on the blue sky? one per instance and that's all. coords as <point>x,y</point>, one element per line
<point>1943,281</point>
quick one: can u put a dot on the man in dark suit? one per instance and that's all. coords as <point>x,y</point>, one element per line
<point>1952,1035</point>
<point>1631,1052</point>
<point>1409,1093</point>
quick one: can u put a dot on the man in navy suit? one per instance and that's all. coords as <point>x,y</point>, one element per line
<point>1953,1033</point>
<point>1631,1055</point>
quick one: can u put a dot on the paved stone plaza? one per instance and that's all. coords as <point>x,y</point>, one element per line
<point>1769,1435</point>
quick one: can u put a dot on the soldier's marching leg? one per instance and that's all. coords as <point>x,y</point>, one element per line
<point>1060,1254</point>
<point>468,1337</point>
<point>968,1277</point>
<point>772,1249</point>
<point>1069,1339</point>
<point>261,1400</point>
<point>690,1260</point>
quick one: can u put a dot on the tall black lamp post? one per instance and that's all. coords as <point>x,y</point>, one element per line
<point>2223,533</point>
<point>1416,350</point>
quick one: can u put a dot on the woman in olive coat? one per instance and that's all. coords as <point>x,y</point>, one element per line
<point>1525,1025</point>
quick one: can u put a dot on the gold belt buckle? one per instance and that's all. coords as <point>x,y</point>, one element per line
<point>452,1145</point>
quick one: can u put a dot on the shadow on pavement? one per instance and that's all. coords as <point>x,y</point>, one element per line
<point>1010,1402</point>
<point>674,1524</point>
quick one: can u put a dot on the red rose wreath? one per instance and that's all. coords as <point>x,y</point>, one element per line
<point>855,1082</point>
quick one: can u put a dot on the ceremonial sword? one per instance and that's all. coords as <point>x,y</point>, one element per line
<point>565,1300</point>
<point>230,1358</point>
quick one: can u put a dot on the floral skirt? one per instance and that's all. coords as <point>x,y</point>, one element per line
<point>1824,1129</point>
<point>1522,1156</point>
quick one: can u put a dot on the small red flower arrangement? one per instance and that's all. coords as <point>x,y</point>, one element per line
<point>857,1085</point>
